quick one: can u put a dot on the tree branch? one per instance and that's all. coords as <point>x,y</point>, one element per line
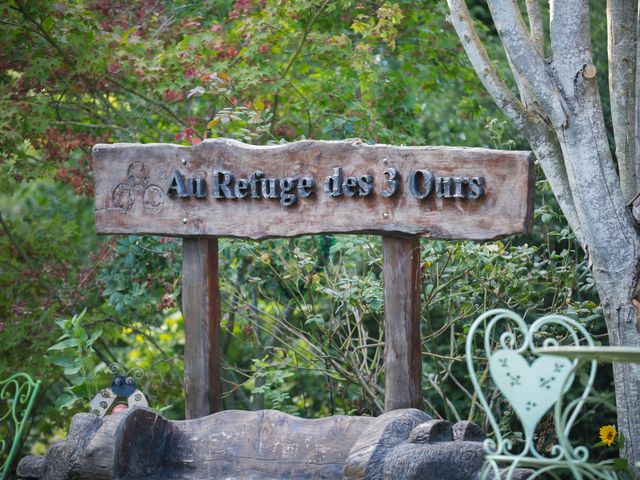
<point>621,38</point>
<point>546,147</point>
<point>15,243</point>
<point>570,41</point>
<point>526,60</point>
<point>495,85</point>
<point>292,59</point>
<point>536,27</point>
<point>542,139</point>
<point>637,101</point>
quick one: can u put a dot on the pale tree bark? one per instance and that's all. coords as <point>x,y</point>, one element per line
<point>621,26</point>
<point>562,117</point>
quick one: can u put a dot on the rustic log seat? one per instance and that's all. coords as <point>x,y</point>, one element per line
<point>140,444</point>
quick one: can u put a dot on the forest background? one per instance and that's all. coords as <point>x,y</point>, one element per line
<point>302,318</point>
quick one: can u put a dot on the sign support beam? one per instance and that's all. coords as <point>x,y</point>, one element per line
<point>224,188</point>
<point>201,311</point>
<point>402,351</point>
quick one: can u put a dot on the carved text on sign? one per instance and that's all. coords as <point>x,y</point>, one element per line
<point>225,188</point>
<point>223,184</point>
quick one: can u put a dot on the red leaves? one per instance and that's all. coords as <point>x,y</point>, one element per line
<point>113,68</point>
<point>56,147</point>
<point>188,134</point>
<point>123,14</point>
<point>190,72</point>
<point>173,95</point>
<point>228,52</point>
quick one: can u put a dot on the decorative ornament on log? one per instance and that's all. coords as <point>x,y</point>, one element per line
<point>124,388</point>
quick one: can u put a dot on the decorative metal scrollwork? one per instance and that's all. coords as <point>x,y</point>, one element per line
<point>533,384</point>
<point>17,397</point>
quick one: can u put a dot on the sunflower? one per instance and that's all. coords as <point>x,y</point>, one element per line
<point>608,434</point>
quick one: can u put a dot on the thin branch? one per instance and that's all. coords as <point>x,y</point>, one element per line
<point>526,60</point>
<point>622,42</point>
<point>536,27</point>
<point>303,39</point>
<point>14,242</point>
<point>160,105</point>
<point>292,59</point>
<point>152,341</point>
<point>87,125</point>
<point>495,85</point>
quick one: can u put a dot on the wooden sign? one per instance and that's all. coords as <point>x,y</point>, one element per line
<point>226,188</point>
<point>223,188</point>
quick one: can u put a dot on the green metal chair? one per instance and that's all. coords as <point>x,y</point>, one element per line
<point>18,394</point>
<point>533,372</point>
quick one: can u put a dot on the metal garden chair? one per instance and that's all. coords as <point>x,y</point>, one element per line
<point>18,394</point>
<point>533,371</point>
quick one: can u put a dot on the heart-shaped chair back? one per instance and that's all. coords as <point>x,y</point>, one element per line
<point>502,346</point>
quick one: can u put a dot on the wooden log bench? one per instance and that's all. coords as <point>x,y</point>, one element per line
<point>139,444</point>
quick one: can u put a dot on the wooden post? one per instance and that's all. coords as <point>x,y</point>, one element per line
<point>201,311</point>
<point>402,352</point>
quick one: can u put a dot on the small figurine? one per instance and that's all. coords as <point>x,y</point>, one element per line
<point>122,387</point>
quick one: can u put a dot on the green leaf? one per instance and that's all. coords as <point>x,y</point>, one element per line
<point>72,370</point>
<point>66,400</point>
<point>621,440</point>
<point>69,343</point>
<point>620,464</point>
<point>94,336</point>
<point>47,23</point>
<point>66,361</point>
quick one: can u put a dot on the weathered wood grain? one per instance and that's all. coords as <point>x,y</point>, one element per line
<point>402,353</point>
<point>139,444</point>
<point>132,182</point>
<point>263,445</point>
<point>201,311</point>
<point>367,456</point>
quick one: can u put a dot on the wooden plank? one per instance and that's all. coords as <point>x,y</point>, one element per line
<point>133,193</point>
<point>402,354</point>
<point>201,311</point>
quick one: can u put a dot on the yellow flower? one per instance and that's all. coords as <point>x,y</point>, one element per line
<point>608,434</point>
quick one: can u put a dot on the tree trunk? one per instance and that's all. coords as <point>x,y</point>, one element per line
<point>621,316</point>
<point>562,117</point>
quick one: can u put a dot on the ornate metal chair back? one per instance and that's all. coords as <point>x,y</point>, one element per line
<point>18,394</point>
<point>533,384</point>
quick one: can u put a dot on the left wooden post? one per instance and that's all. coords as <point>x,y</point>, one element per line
<point>201,312</point>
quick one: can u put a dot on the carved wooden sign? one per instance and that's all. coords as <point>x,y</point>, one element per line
<point>226,188</point>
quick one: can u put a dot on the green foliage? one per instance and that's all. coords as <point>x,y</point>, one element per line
<point>73,351</point>
<point>302,318</point>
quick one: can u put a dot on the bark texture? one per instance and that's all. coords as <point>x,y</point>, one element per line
<point>139,444</point>
<point>560,113</point>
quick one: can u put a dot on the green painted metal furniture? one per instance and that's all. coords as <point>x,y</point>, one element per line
<point>534,372</point>
<point>18,394</point>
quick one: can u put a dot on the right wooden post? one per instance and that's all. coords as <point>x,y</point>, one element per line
<point>402,351</point>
